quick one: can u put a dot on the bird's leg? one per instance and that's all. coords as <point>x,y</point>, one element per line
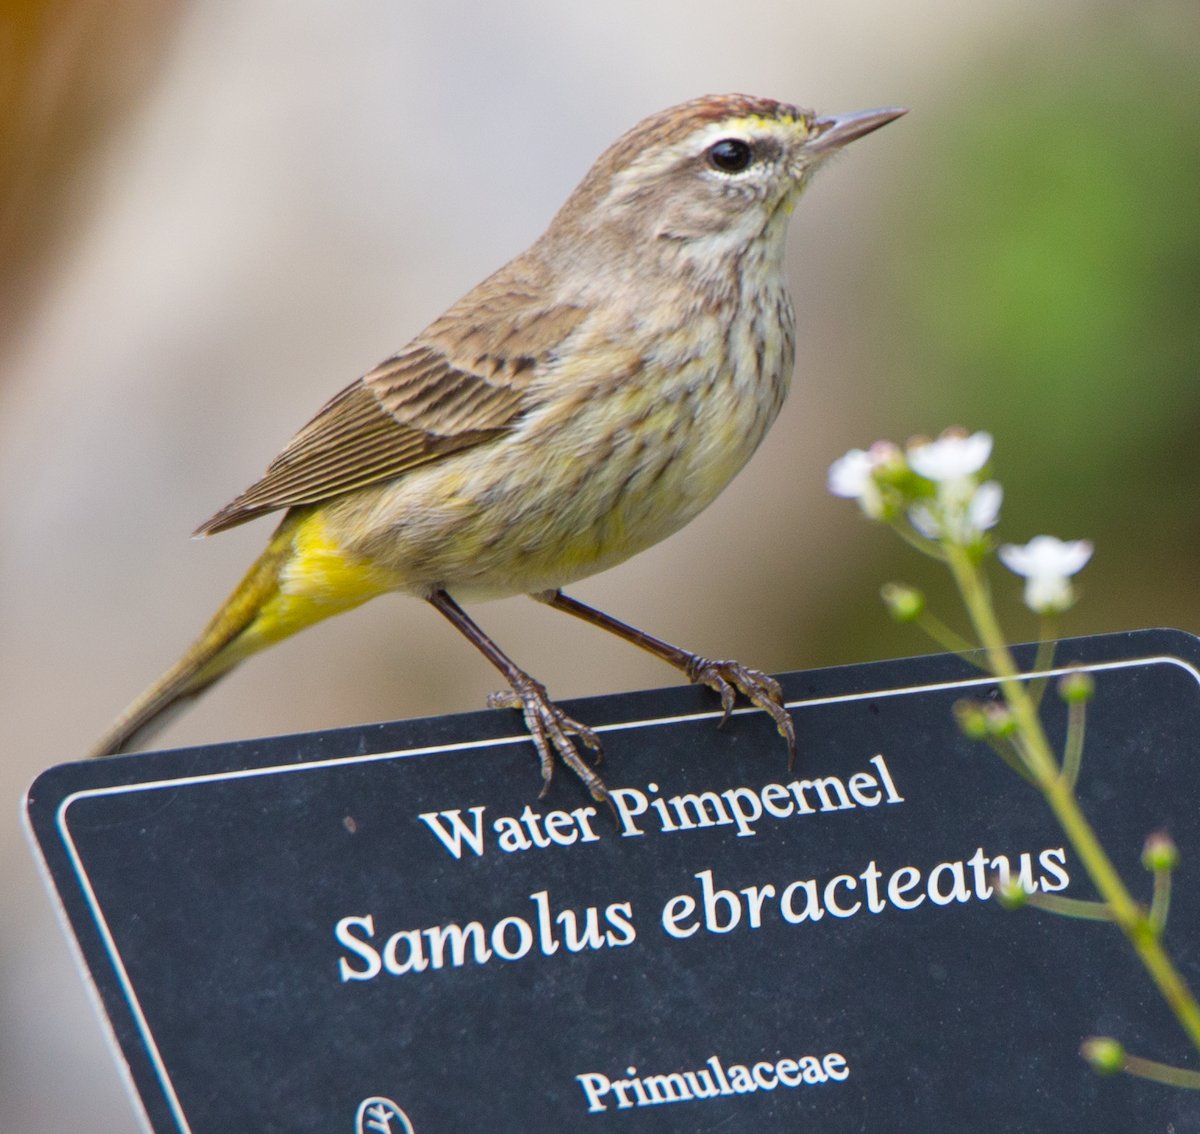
<point>723,676</point>
<point>548,725</point>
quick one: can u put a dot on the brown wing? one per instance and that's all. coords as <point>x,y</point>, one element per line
<point>411,410</point>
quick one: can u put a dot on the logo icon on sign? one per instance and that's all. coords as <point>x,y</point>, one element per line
<point>376,1115</point>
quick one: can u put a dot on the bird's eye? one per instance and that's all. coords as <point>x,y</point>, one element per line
<point>731,155</point>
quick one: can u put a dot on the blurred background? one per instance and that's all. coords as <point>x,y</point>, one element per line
<point>215,214</point>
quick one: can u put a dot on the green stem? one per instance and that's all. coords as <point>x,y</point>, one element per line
<point>1073,749</point>
<point>1003,747</point>
<point>1161,1073</point>
<point>1039,758</point>
<point>1022,750</point>
<point>1047,643</point>
<point>910,535</point>
<point>947,638</point>
<point>1070,907</point>
<point>1160,904</point>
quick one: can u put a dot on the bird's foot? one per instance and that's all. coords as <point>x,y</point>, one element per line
<point>730,677</point>
<point>551,731</point>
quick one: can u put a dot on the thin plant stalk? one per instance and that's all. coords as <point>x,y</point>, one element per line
<point>1047,644</point>
<point>1003,748</point>
<point>1161,902</point>
<point>1161,1073</point>
<point>948,639</point>
<point>1039,758</point>
<point>1073,749</point>
<point>1070,907</point>
<point>914,538</point>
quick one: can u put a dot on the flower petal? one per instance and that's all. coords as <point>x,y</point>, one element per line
<point>850,475</point>
<point>949,458</point>
<point>1046,556</point>
<point>925,521</point>
<point>1015,556</point>
<point>984,510</point>
<point>1075,555</point>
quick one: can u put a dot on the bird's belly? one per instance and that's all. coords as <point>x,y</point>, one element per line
<point>565,497</point>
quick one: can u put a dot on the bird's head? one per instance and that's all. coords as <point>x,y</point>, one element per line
<point>709,177</point>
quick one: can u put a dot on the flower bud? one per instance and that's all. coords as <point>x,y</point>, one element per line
<point>972,720</point>
<point>1077,686</point>
<point>888,460</point>
<point>1160,852</point>
<point>1011,894</point>
<point>1000,720</point>
<point>1106,1056</point>
<point>904,603</point>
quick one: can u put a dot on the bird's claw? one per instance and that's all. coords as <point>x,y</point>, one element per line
<point>762,689</point>
<point>550,729</point>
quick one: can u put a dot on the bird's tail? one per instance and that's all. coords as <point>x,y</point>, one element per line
<point>299,579</point>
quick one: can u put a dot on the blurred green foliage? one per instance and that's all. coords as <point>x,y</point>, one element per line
<point>1042,281</point>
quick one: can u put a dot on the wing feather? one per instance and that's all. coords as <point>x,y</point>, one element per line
<point>417,407</point>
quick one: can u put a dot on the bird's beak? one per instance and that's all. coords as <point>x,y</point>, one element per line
<point>835,132</point>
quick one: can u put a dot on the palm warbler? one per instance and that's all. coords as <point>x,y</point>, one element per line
<point>579,405</point>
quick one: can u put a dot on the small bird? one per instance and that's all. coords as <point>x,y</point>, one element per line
<point>581,404</point>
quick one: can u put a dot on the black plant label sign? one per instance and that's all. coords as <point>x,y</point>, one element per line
<point>384,929</point>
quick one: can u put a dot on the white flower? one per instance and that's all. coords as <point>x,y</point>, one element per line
<point>951,456</point>
<point>984,510</point>
<point>1048,564</point>
<point>850,476</point>
<point>853,477</point>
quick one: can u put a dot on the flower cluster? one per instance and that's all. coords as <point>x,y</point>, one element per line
<point>936,494</point>
<point>934,485</point>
